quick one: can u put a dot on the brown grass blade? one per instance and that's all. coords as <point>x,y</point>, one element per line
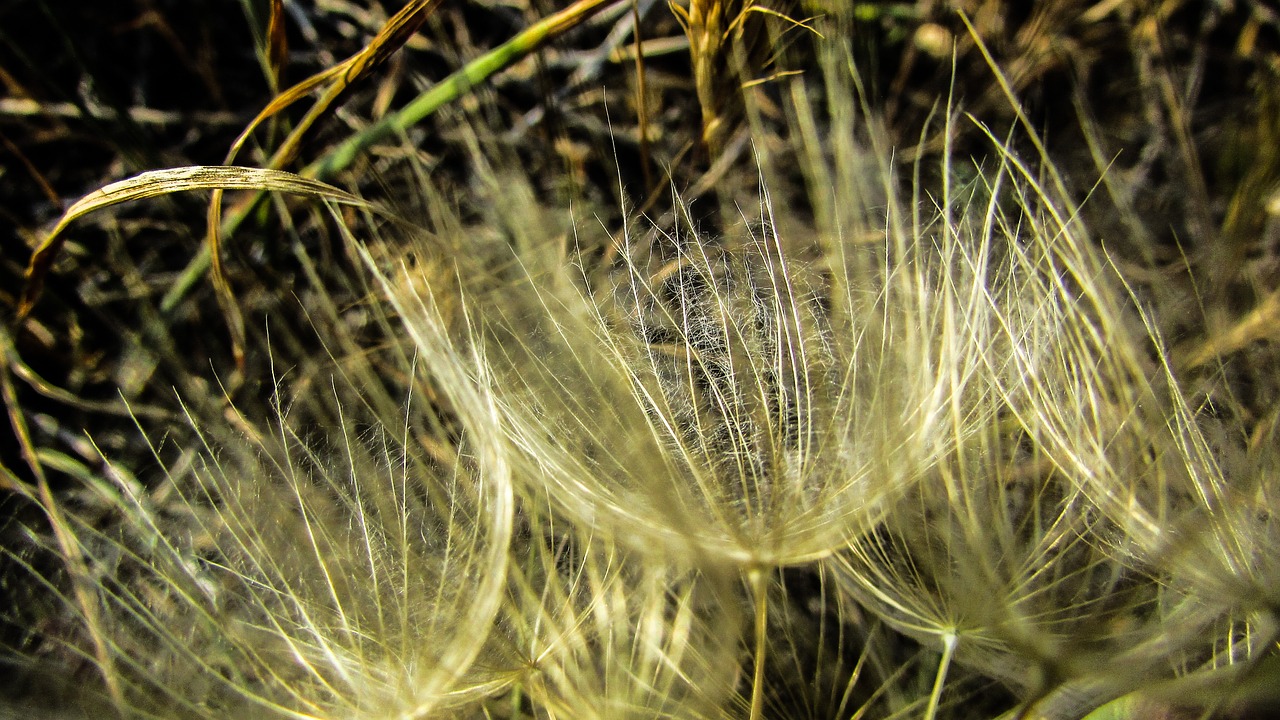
<point>393,35</point>
<point>277,43</point>
<point>402,26</point>
<point>729,47</point>
<point>1262,323</point>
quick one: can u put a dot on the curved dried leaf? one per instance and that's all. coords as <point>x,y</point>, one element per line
<point>163,182</point>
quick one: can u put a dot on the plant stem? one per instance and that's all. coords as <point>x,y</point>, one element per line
<point>440,94</point>
<point>949,641</point>
<point>455,85</point>
<point>760,593</point>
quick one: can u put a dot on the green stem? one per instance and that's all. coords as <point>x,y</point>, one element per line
<point>455,86</point>
<point>451,88</point>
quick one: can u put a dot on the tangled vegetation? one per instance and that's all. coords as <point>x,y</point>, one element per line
<point>621,359</point>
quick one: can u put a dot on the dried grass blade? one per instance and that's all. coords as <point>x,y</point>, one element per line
<point>457,84</point>
<point>393,35</point>
<point>397,31</point>
<point>68,546</point>
<point>1261,323</point>
<point>164,182</point>
<point>277,43</point>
